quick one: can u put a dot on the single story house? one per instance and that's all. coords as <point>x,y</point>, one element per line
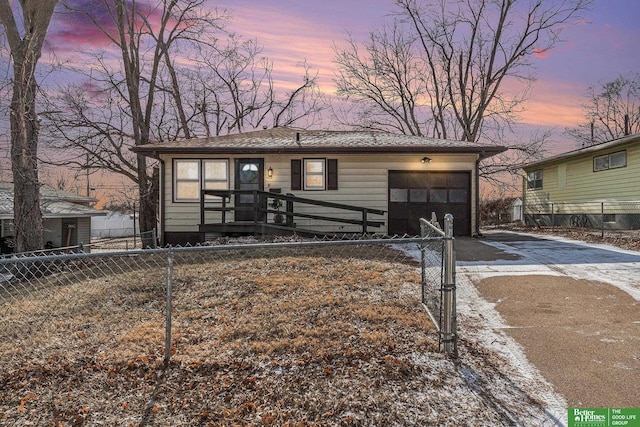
<point>66,217</point>
<point>324,182</point>
<point>595,186</point>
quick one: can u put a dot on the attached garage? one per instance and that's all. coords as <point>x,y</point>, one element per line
<point>417,194</point>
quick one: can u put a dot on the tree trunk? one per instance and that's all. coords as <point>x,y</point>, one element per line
<point>148,189</point>
<point>27,219</point>
<point>25,52</point>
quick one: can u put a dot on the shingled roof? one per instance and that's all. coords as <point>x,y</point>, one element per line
<point>53,203</point>
<point>292,141</point>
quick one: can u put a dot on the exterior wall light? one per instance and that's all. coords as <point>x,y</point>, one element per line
<point>270,173</point>
<point>426,160</point>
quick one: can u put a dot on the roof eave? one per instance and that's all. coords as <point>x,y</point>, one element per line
<point>155,152</point>
<point>584,151</point>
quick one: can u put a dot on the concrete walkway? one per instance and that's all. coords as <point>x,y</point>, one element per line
<point>573,307</point>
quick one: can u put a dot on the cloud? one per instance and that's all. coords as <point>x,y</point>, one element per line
<point>540,53</point>
<point>554,103</point>
<point>77,24</point>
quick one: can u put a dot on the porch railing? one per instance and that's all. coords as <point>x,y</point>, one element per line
<point>260,208</point>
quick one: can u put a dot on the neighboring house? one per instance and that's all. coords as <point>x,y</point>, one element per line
<point>66,217</point>
<point>327,182</point>
<point>596,186</point>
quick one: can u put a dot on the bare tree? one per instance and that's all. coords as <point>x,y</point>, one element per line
<point>440,69</point>
<point>175,79</point>
<point>232,90</point>
<point>25,35</point>
<point>5,105</point>
<point>612,110</point>
<point>120,108</point>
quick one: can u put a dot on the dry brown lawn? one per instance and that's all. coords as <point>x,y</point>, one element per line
<point>315,339</point>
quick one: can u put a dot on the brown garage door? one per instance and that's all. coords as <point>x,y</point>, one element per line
<point>416,194</point>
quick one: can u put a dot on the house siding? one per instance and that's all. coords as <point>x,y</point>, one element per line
<point>583,184</point>
<point>362,181</point>
<point>84,231</point>
<point>571,187</point>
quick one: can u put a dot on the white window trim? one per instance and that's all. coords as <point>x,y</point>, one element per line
<point>306,187</point>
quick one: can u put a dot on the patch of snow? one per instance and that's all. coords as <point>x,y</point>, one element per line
<point>479,322</point>
<point>554,255</point>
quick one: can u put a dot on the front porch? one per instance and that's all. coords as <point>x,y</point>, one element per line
<point>264,215</point>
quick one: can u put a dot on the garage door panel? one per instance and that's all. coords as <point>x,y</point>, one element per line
<point>458,180</point>
<point>398,195</point>
<point>414,180</point>
<point>418,194</point>
<point>398,180</point>
<point>437,179</point>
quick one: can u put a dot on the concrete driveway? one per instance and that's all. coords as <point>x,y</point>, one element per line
<point>573,308</point>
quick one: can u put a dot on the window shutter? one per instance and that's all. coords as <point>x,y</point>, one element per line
<point>332,174</point>
<point>296,174</point>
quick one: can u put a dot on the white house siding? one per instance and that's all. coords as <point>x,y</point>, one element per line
<point>113,225</point>
<point>362,181</point>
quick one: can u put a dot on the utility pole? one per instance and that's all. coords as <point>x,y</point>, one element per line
<point>87,169</point>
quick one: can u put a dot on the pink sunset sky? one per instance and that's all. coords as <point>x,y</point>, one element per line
<point>605,45</point>
<point>597,50</point>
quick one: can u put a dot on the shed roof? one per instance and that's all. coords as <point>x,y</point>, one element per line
<point>292,141</point>
<point>592,149</point>
<point>54,203</point>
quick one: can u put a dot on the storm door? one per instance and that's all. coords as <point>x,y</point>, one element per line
<point>249,176</point>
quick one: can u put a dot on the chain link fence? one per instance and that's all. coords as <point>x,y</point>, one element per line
<point>120,318</point>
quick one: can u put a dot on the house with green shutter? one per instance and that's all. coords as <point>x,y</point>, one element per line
<point>285,180</point>
<point>595,186</point>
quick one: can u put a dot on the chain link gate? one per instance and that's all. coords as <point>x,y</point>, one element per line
<point>438,280</point>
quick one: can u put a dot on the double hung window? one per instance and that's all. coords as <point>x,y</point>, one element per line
<point>193,175</point>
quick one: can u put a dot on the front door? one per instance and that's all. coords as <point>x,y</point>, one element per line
<point>249,176</point>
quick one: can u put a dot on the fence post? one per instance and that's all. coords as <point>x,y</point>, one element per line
<point>423,263</point>
<point>449,289</point>
<point>167,338</point>
<point>602,220</point>
<point>364,221</point>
